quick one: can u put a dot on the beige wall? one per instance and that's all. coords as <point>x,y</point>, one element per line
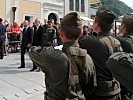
<point>3,9</point>
<point>28,7</point>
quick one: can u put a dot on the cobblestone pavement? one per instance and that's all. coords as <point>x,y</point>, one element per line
<point>19,84</point>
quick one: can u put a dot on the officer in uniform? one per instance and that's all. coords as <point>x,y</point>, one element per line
<point>61,66</point>
<point>126,29</point>
<point>2,38</point>
<point>100,47</point>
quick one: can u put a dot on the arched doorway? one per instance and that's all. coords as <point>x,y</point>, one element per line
<point>53,16</point>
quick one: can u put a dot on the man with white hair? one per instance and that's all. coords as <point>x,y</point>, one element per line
<point>26,41</point>
<point>37,37</point>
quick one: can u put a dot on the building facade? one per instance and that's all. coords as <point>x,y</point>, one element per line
<point>20,10</point>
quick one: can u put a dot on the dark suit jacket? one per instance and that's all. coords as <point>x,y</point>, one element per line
<point>38,36</point>
<point>27,36</point>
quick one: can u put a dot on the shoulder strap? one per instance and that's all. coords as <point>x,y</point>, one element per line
<point>112,44</point>
<point>131,37</point>
<point>108,43</point>
<point>73,79</point>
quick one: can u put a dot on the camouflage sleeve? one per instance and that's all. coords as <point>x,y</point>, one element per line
<point>118,47</point>
<point>35,54</point>
<point>92,82</point>
<point>92,72</point>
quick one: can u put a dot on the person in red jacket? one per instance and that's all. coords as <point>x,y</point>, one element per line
<point>15,34</point>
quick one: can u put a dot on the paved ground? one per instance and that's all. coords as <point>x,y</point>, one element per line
<point>19,84</point>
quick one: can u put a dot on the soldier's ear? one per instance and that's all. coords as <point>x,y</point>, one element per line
<point>61,32</point>
<point>123,28</point>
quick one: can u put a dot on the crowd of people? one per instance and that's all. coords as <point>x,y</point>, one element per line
<point>86,66</point>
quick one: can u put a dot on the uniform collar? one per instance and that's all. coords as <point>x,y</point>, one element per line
<point>103,34</point>
<point>72,43</point>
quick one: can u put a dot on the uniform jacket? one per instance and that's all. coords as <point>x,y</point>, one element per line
<point>55,64</point>
<point>100,54</point>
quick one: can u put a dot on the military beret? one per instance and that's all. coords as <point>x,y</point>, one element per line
<point>128,18</point>
<point>105,15</point>
<point>71,19</point>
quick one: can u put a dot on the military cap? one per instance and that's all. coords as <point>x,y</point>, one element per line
<point>128,18</point>
<point>105,15</point>
<point>71,19</point>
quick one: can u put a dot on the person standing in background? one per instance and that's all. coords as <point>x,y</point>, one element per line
<point>37,37</point>
<point>2,38</point>
<point>50,34</point>
<point>26,41</point>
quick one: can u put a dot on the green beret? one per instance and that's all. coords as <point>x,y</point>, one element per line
<point>71,19</point>
<point>128,18</point>
<point>105,15</point>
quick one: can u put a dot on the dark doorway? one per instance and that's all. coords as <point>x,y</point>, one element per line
<point>27,18</point>
<point>53,16</point>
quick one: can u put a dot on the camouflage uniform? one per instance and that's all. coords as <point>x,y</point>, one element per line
<point>100,47</point>
<point>61,74</point>
<point>127,44</point>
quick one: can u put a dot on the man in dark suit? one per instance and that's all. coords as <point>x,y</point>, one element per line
<point>26,41</point>
<point>2,33</point>
<point>37,37</point>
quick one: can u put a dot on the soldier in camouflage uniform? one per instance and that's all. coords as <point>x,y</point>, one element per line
<point>62,67</point>
<point>2,38</point>
<point>100,47</point>
<point>126,29</point>
<point>126,40</point>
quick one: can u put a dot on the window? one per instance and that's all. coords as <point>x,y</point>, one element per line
<point>71,3</point>
<point>82,6</point>
<point>77,5</point>
<point>29,18</point>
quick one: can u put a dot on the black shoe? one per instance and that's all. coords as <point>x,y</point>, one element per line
<point>21,67</point>
<point>33,69</point>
